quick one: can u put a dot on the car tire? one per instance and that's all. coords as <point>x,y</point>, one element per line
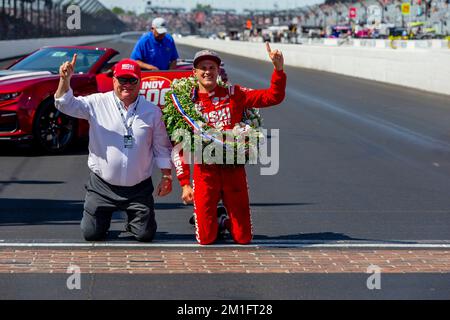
<point>53,131</point>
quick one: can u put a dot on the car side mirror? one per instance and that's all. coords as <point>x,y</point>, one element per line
<point>109,73</point>
<point>108,69</point>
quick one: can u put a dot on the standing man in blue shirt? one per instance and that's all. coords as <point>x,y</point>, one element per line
<point>156,49</point>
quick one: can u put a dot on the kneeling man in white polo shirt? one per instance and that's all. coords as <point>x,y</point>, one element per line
<point>126,137</point>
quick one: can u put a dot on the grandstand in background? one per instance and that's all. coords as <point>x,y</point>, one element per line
<point>23,19</point>
<point>431,12</point>
<point>432,15</point>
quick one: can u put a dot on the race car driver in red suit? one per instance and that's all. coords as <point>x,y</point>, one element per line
<point>223,108</point>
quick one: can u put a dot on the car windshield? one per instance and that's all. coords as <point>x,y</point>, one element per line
<point>49,59</point>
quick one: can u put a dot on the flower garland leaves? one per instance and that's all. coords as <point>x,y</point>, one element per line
<point>246,135</point>
<point>172,118</point>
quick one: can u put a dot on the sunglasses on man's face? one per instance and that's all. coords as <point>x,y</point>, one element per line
<point>123,80</point>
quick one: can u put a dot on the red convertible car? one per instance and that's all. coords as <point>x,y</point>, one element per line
<point>27,111</point>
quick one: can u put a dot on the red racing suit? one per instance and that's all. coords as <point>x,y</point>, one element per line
<point>223,108</point>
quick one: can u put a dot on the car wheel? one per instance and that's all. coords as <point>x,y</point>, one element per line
<point>53,130</point>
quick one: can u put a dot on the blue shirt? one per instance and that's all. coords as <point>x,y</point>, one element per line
<point>154,52</point>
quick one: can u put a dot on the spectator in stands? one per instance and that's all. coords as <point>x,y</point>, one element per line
<point>156,49</point>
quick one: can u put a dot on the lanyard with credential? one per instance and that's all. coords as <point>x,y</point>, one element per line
<point>128,138</point>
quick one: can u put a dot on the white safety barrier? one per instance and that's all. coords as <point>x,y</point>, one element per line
<point>15,48</point>
<point>424,69</point>
<point>372,43</point>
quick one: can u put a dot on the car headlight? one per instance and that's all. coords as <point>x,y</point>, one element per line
<point>9,96</point>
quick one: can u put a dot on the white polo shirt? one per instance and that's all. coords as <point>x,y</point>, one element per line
<point>108,156</point>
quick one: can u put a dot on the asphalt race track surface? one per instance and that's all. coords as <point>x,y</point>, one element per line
<point>359,162</point>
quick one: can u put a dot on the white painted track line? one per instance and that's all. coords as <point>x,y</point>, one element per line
<point>305,244</point>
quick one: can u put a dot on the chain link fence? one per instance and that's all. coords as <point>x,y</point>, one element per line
<point>23,19</point>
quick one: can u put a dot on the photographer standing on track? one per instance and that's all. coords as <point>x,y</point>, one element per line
<point>213,182</point>
<point>126,137</point>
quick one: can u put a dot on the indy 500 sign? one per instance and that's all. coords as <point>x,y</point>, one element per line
<point>154,88</point>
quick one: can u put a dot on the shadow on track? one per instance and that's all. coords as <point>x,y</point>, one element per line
<point>122,236</point>
<point>332,236</point>
<point>54,212</point>
<point>30,182</point>
<point>10,149</point>
<point>16,212</point>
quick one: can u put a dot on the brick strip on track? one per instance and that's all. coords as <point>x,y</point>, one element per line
<point>222,260</point>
